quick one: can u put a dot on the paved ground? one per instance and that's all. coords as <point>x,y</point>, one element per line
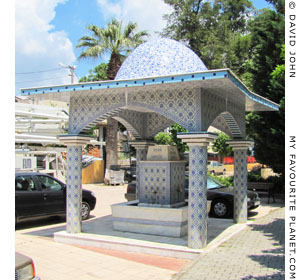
<point>58,261</point>
<point>55,260</point>
<point>255,253</point>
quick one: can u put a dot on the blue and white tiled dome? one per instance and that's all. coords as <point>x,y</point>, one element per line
<point>160,57</point>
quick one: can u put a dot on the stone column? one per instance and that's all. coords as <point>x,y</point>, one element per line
<point>74,145</point>
<point>240,148</point>
<point>141,148</point>
<point>197,208</point>
<point>111,141</point>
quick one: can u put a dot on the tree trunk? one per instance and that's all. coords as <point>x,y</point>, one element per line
<point>113,66</point>
<point>111,142</point>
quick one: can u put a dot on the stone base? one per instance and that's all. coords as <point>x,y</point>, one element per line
<point>176,205</point>
<point>130,217</point>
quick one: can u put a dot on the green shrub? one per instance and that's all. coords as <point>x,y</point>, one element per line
<point>225,181</point>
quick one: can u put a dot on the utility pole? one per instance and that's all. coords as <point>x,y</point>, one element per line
<point>71,68</point>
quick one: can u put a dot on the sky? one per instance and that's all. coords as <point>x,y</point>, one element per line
<point>47,32</point>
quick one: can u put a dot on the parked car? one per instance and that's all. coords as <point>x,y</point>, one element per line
<point>222,197</point>
<point>24,268</point>
<point>39,195</point>
<point>215,167</point>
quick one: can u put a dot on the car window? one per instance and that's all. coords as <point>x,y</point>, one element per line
<point>24,183</point>
<point>211,184</point>
<point>48,183</point>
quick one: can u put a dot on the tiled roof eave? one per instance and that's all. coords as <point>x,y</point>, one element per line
<point>253,101</point>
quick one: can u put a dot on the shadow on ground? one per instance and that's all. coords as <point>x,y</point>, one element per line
<point>274,257</point>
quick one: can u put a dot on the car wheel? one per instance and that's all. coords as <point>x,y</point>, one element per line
<point>213,173</point>
<point>85,210</point>
<point>220,208</point>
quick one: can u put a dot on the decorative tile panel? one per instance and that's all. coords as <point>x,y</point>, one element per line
<point>141,154</point>
<point>161,183</point>
<point>142,125</point>
<point>224,113</point>
<point>197,225</point>
<point>179,104</point>
<point>86,107</point>
<point>240,185</point>
<point>156,123</point>
<point>74,191</point>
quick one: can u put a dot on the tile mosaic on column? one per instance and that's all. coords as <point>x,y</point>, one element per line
<point>240,186</point>
<point>240,148</point>
<point>74,145</point>
<point>197,223</point>
<point>197,209</point>
<point>74,189</point>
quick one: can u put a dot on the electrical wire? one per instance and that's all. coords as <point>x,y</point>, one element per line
<point>42,71</point>
<point>40,80</point>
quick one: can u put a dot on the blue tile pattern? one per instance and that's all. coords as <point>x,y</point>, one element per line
<point>161,183</point>
<point>240,185</point>
<point>74,191</point>
<point>179,103</point>
<point>141,154</point>
<point>233,113</point>
<point>160,57</point>
<point>143,125</point>
<point>197,212</point>
<point>92,107</point>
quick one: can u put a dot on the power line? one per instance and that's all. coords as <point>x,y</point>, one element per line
<point>24,73</point>
<point>40,80</point>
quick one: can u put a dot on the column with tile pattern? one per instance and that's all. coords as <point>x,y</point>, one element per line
<point>73,179</point>
<point>240,148</point>
<point>197,211</point>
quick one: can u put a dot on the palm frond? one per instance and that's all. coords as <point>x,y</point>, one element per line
<point>113,39</point>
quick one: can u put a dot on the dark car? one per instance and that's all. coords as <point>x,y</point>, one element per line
<point>24,268</point>
<point>221,197</point>
<point>39,195</point>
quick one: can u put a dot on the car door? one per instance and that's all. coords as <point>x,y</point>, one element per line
<point>28,198</point>
<point>54,194</point>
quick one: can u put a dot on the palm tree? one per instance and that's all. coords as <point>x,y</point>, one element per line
<point>118,43</point>
<point>113,40</point>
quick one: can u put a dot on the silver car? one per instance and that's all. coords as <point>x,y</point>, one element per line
<point>24,268</point>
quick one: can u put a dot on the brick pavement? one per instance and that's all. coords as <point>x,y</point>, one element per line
<point>256,253</point>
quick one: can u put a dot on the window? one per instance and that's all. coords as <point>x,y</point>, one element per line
<point>49,184</point>
<point>24,183</point>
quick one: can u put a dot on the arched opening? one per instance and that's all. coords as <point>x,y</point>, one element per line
<point>228,124</point>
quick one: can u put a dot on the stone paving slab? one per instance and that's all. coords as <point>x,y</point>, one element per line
<point>257,253</point>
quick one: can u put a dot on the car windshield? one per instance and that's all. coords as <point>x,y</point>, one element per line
<point>212,183</point>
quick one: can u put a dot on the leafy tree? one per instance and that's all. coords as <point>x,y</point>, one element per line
<point>112,40</point>
<point>97,74</point>
<point>267,79</point>
<point>220,146</point>
<point>175,129</point>
<point>267,37</point>
<point>164,138</point>
<point>170,138</point>
<point>212,29</point>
